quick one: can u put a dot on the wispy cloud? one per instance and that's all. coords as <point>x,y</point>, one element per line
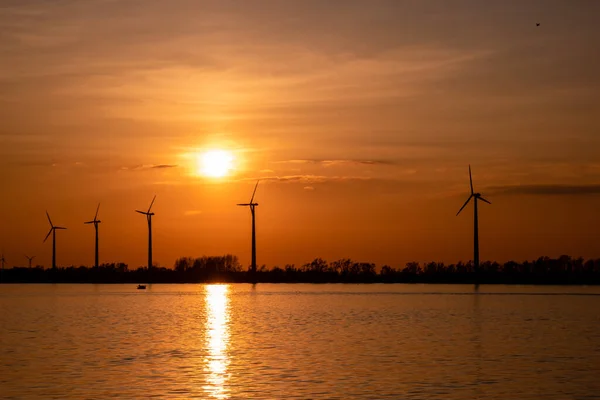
<point>143,167</point>
<point>309,188</point>
<point>328,163</point>
<point>51,164</point>
<point>547,189</point>
<point>309,178</point>
<point>164,166</point>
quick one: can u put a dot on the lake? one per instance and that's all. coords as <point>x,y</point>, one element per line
<point>299,341</point>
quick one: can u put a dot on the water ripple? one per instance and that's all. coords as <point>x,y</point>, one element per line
<point>298,342</point>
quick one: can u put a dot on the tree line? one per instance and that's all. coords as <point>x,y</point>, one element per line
<point>227,269</point>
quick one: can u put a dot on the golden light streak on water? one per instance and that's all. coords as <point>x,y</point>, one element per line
<point>217,340</point>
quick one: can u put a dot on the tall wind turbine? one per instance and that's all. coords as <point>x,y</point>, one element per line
<point>475,196</point>
<point>149,215</point>
<point>53,232</point>
<point>252,205</point>
<point>95,221</point>
<point>30,259</point>
<point>2,260</point>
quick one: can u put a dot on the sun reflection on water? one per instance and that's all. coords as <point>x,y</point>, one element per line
<point>217,337</point>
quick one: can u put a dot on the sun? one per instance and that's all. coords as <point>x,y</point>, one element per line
<point>215,163</point>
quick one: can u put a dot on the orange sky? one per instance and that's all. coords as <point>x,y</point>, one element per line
<point>360,116</point>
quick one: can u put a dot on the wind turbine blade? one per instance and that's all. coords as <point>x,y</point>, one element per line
<point>245,204</point>
<point>59,227</point>
<point>89,222</point>
<point>152,203</point>
<point>471,179</point>
<point>97,209</point>
<point>482,199</point>
<point>253,193</point>
<point>141,212</point>
<point>49,220</point>
<point>49,232</point>
<point>464,205</point>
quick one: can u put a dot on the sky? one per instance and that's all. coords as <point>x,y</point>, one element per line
<point>359,117</point>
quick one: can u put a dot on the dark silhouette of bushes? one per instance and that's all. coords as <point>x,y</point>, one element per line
<point>544,270</point>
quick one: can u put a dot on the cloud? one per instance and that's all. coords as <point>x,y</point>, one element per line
<point>52,164</point>
<point>164,166</point>
<point>143,167</point>
<point>309,188</point>
<point>328,163</point>
<point>309,178</point>
<point>548,190</point>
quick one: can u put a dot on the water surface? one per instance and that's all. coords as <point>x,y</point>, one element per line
<point>299,341</point>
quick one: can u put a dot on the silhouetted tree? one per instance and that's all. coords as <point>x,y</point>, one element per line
<point>544,270</point>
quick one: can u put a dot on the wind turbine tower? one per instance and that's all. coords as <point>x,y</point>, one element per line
<point>95,221</point>
<point>30,259</point>
<point>149,215</point>
<point>475,197</point>
<point>53,232</point>
<point>252,206</point>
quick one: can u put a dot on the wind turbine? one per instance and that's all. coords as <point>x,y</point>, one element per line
<point>475,196</point>
<point>252,205</point>
<point>53,232</point>
<point>30,259</point>
<point>2,260</point>
<point>149,215</point>
<point>95,221</point>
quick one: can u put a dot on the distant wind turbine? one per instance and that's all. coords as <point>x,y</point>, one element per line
<point>95,221</point>
<point>475,196</point>
<point>2,260</point>
<point>252,205</point>
<point>53,232</point>
<point>30,259</point>
<point>149,215</point>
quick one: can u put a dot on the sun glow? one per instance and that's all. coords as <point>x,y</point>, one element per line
<point>215,163</point>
